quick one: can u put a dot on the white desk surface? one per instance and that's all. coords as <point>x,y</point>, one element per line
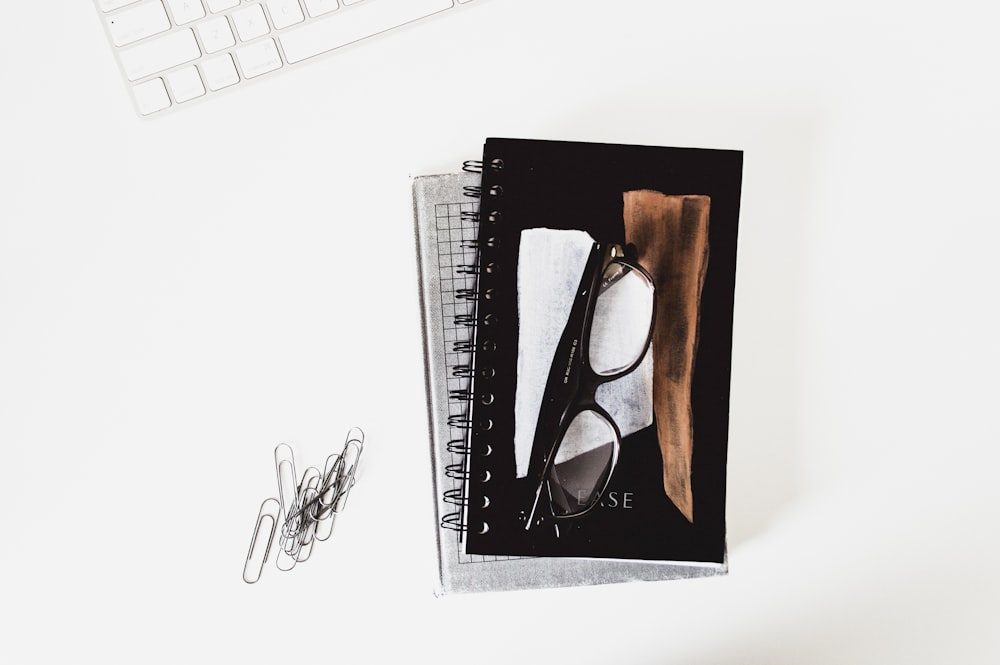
<point>179,295</point>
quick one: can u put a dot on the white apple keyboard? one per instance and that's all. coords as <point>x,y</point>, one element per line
<point>172,52</point>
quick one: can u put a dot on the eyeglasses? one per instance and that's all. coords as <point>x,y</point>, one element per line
<point>577,442</point>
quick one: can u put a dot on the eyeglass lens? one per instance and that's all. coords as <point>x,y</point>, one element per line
<point>582,464</point>
<point>621,319</point>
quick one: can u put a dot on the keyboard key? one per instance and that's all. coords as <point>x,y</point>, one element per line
<point>186,84</point>
<point>161,53</point>
<point>220,72</point>
<point>250,23</point>
<point>185,11</point>
<point>284,13</point>
<point>350,26</point>
<point>216,34</point>
<point>216,6</point>
<point>138,23</point>
<point>111,5</point>
<point>320,7</point>
<point>259,58</point>
<point>151,96</point>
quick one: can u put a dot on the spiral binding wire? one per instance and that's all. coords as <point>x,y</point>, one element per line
<point>476,165</point>
<point>456,471</point>
<point>458,447</point>
<point>461,424</point>
<point>468,395</point>
<point>490,242</point>
<point>456,497</point>
<point>463,346</point>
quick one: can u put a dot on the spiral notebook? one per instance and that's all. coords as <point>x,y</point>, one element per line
<point>589,406</point>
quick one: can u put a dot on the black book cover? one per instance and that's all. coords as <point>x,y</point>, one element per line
<point>675,212</point>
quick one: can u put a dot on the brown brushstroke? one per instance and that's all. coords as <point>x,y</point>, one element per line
<point>671,236</point>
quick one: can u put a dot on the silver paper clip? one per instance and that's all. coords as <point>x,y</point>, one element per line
<point>305,510</point>
<point>260,547</point>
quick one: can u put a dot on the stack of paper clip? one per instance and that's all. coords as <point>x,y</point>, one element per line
<point>305,510</point>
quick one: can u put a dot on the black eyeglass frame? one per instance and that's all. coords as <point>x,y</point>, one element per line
<point>572,383</point>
